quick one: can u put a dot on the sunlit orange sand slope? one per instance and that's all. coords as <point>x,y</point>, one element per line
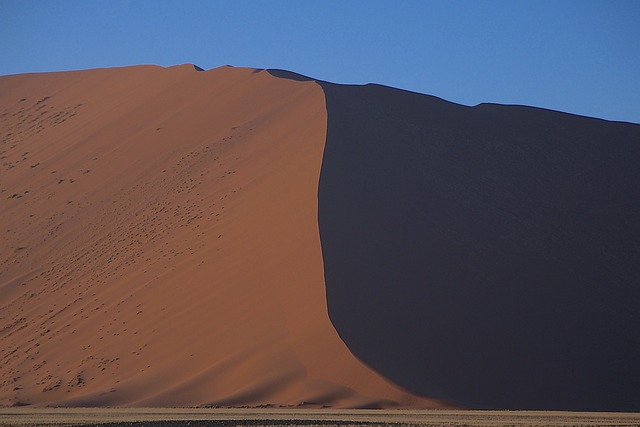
<point>160,243</point>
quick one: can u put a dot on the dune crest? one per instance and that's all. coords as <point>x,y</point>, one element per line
<point>161,244</point>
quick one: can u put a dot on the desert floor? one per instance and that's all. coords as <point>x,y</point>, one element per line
<point>301,417</point>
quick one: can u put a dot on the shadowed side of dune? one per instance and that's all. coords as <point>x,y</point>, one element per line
<point>289,75</point>
<point>485,255</point>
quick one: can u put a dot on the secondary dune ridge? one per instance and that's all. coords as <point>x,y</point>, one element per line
<point>161,245</point>
<point>177,237</point>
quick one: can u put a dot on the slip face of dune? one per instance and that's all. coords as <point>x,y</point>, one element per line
<point>498,248</point>
<point>160,243</point>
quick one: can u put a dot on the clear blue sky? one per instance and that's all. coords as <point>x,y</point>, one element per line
<point>579,56</point>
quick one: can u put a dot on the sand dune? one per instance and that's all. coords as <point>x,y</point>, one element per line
<point>240,237</point>
<point>160,243</point>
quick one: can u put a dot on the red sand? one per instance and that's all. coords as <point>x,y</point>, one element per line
<point>160,243</point>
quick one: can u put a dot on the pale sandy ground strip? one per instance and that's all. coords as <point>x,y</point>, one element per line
<point>238,417</point>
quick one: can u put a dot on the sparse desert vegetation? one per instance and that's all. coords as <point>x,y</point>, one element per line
<point>167,417</point>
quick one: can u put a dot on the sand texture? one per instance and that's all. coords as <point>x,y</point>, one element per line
<point>240,237</point>
<point>160,243</point>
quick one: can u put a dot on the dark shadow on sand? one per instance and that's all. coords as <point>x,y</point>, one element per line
<point>488,255</point>
<point>284,74</point>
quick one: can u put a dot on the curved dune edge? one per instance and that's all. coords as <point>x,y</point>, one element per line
<point>161,244</point>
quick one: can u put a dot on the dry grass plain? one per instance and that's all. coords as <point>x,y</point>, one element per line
<point>170,417</point>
